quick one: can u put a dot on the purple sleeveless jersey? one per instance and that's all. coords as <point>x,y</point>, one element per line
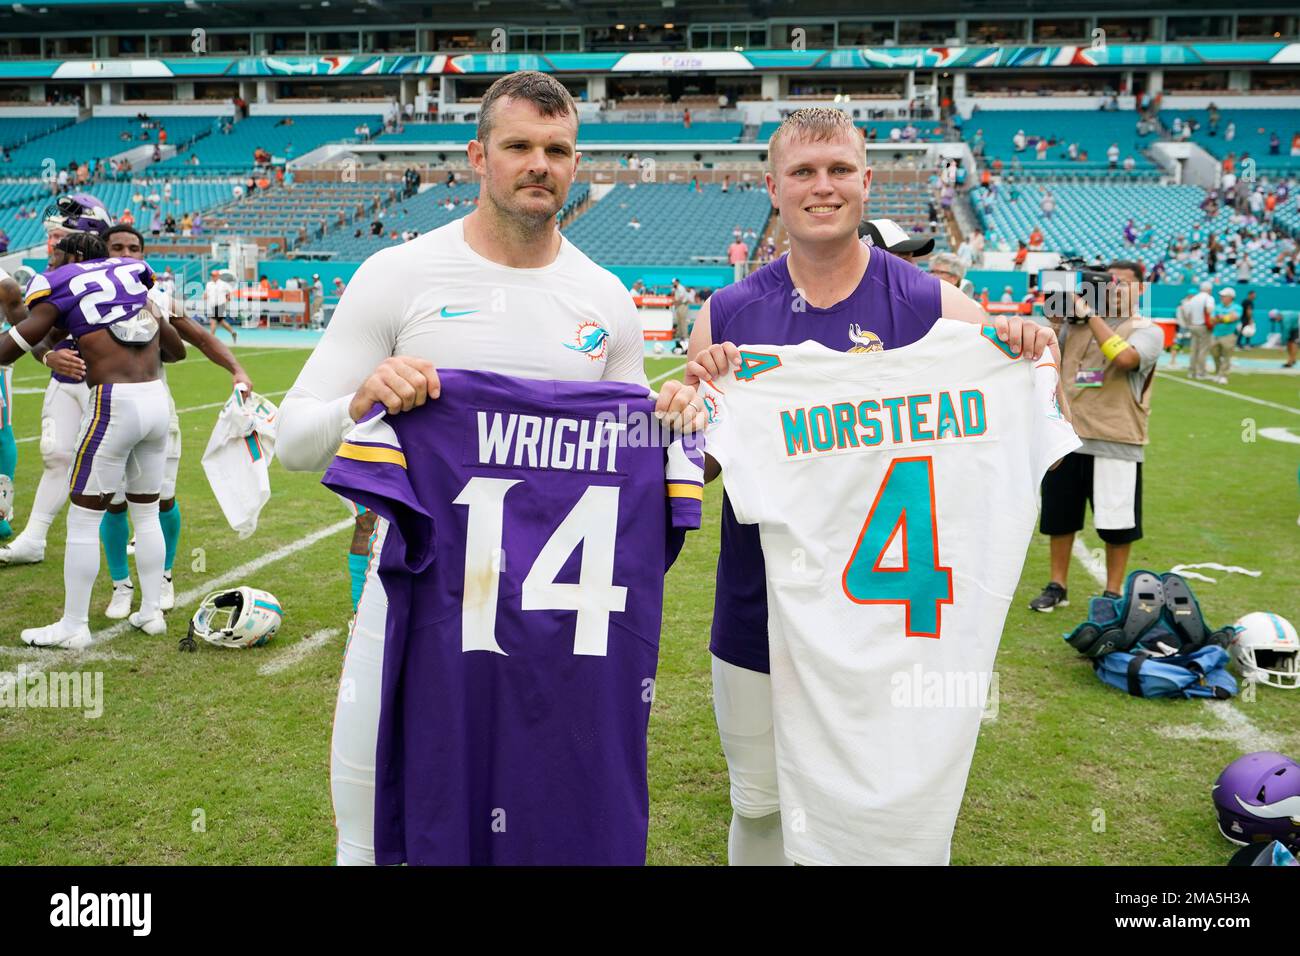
<point>894,305</point>
<point>531,526</point>
<point>95,294</point>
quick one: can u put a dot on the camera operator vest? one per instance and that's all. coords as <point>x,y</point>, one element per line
<point>1109,412</point>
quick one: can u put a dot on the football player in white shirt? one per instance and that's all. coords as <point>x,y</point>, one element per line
<point>500,290</point>
<point>819,182</point>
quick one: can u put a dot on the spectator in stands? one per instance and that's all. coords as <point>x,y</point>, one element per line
<point>155,223</point>
<point>1200,312</point>
<point>1213,116</point>
<point>4,242</point>
<point>1041,148</point>
<point>1243,272</point>
<point>1072,151</point>
<point>1129,164</point>
<point>377,228</point>
<point>284,121</point>
<point>1274,144</point>
<point>187,225</point>
<point>162,136</point>
<point>726,182</point>
<point>1130,233</point>
<point>634,223</point>
<point>1008,296</point>
<point>1022,255</point>
<point>1036,240</point>
<point>1230,133</point>
<point>1148,236</point>
<point>197,223</point>
<point>125,136</point>
<point>194,159</point>
<point>638,288</point>
<point>339,285</point>
<point>1225,319</point>
<point>1018,141</point>
<point>169,225</point>
<point>686,117</point>
<point>157,154</point>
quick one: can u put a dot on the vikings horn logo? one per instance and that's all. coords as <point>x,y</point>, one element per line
<point>865,341</point>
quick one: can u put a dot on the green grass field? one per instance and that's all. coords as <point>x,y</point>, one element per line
<point>204,759</point>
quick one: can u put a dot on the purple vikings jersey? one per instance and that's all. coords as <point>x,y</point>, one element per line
<point>894,305</point>
<point>95,294</point>
<point>531,524</point>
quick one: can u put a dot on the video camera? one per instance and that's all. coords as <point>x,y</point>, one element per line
<point>1074,277</point>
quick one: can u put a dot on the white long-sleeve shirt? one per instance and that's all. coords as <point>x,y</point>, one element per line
<point>435,298</point>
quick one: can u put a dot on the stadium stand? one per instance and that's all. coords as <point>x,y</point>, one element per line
<point>232,152</point>
<point>678,225</point>
<point>927,131</point>
<point>17,130</point>
<point>94,139</point>
<point>1093,130</point>
<point>1089,221</point>
<point>295,216</point>
<point>1251,136</point>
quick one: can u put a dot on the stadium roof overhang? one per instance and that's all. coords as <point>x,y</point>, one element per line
<point>1114,55</point>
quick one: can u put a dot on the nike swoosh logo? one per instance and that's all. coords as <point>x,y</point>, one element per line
<point>452,315</point>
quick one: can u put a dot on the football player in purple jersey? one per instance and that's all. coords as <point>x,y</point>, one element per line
<point>103,304</point>
<point>833,289</point>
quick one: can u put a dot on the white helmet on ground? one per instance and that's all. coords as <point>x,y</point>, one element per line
<point>239,617</point>
<point>1267,650</point>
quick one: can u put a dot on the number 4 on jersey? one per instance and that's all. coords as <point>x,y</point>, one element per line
<point>904,508</point>
<point>753,364</point>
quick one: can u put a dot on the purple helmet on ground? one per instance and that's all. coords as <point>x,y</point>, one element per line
<point>77,212</point>
<point>1257,798</point>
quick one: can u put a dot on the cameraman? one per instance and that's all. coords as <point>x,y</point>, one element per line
<point>1107,369</point>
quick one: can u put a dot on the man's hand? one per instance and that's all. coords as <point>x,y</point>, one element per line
<point>680,407</point>
<point>67,363</point>
<point>400,384</point>
<point>240,377</point>
<point>714,362</point>
<point>1026,337</point>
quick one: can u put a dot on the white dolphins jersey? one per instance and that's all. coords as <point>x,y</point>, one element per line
<point>895,494</point>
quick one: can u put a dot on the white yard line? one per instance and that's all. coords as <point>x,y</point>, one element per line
<point>1223,391</point>
<point>1234,727</point>
<point>183,411</point>
<point>233,576</point>
<point>1095,566</point>
<point>308,645</point>
<point>671,371</point>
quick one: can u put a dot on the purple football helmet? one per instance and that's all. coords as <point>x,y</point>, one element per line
<point>78,212</point>
<point>1257,798</point>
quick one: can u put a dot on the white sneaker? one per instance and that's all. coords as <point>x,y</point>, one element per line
<point>1222,379</point>
<point>23,550</point>
<point>167,597</point>
<point>120,606</point>
<point>53,635</point>
<point>153,626</point>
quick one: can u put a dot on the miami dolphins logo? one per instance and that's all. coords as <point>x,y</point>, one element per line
<point>865,341</point>
<point>591,338</point>
<point>711,408</point>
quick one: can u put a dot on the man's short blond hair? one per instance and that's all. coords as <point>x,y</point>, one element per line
<point>815,124</point>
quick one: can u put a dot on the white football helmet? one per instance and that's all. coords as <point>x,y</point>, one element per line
<point>239,617</point>
<point>1267,650</point>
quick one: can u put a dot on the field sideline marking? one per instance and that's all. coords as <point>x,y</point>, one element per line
<point>191,596</point>
<point>297,652</point>
<point>1224,391</point>
<point>671,371</point>
<point>182,411</point>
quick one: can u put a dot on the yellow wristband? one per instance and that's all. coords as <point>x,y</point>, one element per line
<point>1113,346</point>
